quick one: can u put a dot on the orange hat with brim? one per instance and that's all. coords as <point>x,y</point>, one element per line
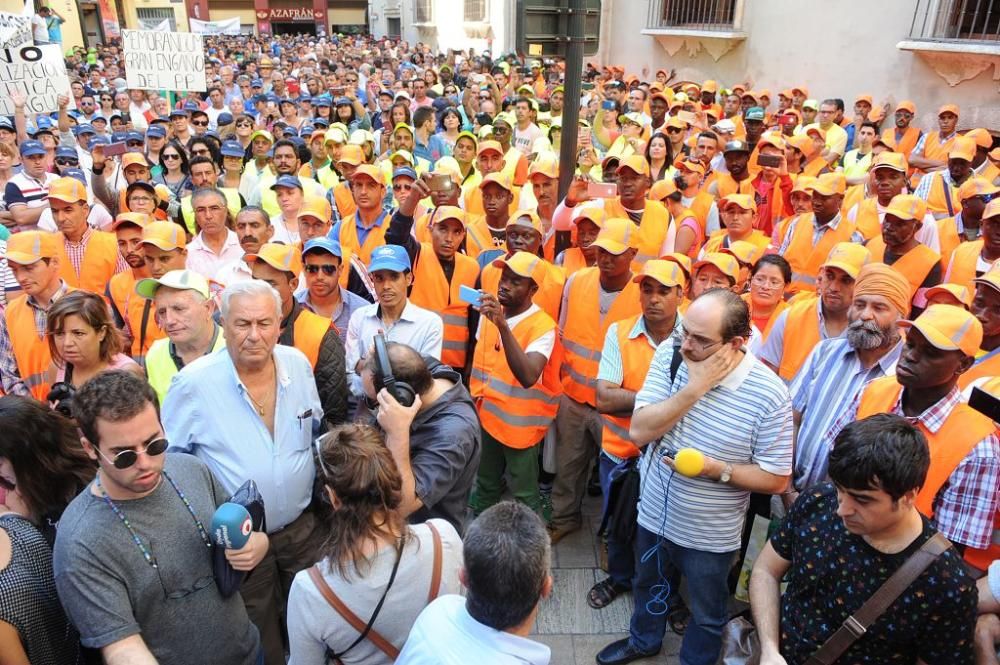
<point>850,257</point>
<point>314,206</point>
<point>804,184</point>
<point>617,236</point>
<point>528,219</point>
<point>907,206</point>
<point>948,108</point>
<point>490,146</point>
<point>168,236</point>
<point>890,160</point>
<point>369,171</point>
<point>959,293</point>
<point>829,184</point>
<point>139,219</point>
<point>992,209</point>
<point>661,189</point>
<point>497,178</point>
<point>772,139</point>
<point>726,263</point>
<point>279,256</point>
<point>667,273</point>
<point>351,154</point>
<point>692,166</point>
<point>546,164</point>
<point>907,105</point>
<point>523,264</point>
<point>963,148</point>
<point>949,329</point>
<point>30,247</point>
<point>635,163</point>
<point>742,201</point>
<point>982,137</point>
<point>863,98</point>
<point>68,190</point>
<point>976,187</point>
<point>989,278</point>
<point>593,213</point>
<point>683,260</point>
<point>134,159</point>
<point>745,252</point>
<point>442,213</point>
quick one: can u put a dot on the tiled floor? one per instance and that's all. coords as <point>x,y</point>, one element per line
<point>573,630</point>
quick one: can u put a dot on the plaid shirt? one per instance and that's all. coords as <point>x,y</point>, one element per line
<point>76,250</point>
<point>964,508</point>
<point>10,376</point>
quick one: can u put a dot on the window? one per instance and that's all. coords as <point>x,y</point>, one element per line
<point>423,11</point>
<point>156,19</point>
<point>692,14</point>
<point>475,11</point>
<point>957,20</point>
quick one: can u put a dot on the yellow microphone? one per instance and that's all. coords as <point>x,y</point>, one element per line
<point>689,462</point>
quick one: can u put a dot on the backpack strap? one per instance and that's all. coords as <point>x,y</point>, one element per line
<point>366,631</point>
<point>435,589</point>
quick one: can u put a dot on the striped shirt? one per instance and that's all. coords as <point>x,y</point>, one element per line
<point>24,190</point>
<point>828,381</point>
<point>7,281</point>
<point>747,419</point>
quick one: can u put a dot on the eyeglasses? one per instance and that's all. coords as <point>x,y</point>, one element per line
<point>127,458</point>
<point>141,199</point>
<point>327,269</point>
<point>760,281</point>
<point>698,342</point>
<point>170,157</point>
<point>212,209</point>
<point>201,153</point>
<point>402,188</point>
<point>67,162</point>
<point>244,124</point>
<point>318,447</point>
<point>133,144</point>
<point>200,123</point>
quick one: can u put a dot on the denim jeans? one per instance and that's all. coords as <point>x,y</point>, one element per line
<point>708,593</point>
<point>621,556</point>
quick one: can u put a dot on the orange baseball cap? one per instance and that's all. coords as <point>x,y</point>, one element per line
<point>692,166</point>
<point>617,236</point>
<point>68,190</point>
<point>801,88</point>
<point>369,171</point>
<point>890,160</point>
<point>743,201</point>
<point>528,219</point>
<point>962,148</point>
<point>523,264</point>
<point>140,219</point>
<point>314,206</point>
<point>727,263</point>
<point>683,260</point>
<point>279,256</point>
<point>948,108</point>
<point>978,186</point>
<point>766,92</point>
<point>995,155</point>
<point>816,129</point>
<point>594,213</point>
<point>982,137</point>
<point>546,164</point>
<point>745,252</point>
<point>134,159</point>
<point>888,140</point>
<point>800,142</point>
<point>804,184</point>
<point>487,146</point>
<point>676,123</point>
<point>772,139</point>
<point>992,209</point>
<point>30,247</point>
<point>829,184</point>
<point>989,278</point>
<point>959,293</point>
<point>850,257</point>
<point>168,236</point>
<point>667,273</point>
<point>499,178</point>
<point>907,105</point>
<point>710,86</point>
<point>907,206</point>
<point>661,189</point>
<point>635,163</point>
<point>949,328</point>
<point>442,213</point>
<point>863,98</point>
<point>351,154</point>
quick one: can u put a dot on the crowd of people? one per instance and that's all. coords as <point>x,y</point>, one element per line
<point>345,273</point>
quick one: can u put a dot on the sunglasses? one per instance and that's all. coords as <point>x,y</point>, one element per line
<point>170,156</point>
<point>67,162</point>
<point>327,269</point>
<point>127,458</point>
<point>244,124</point>
<point>133,144</point>
<point>200,123</point>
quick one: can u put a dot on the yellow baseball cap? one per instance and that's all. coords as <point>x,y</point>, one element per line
<point>891,160</point>
<point>949,328</point>
<point>30,247</point>
<point>498,178</point>
<point>773,139</point>
<point>617,236</point>
<point>68,190</point>
<point>314,206</point>
<point>134,159</point>
<point>594,213</point>
<point>524,265</point>
<point>829,184</point>
<point>636,163</point>
<point>369,171</point>
<point>907,206</point>
<point>182,280</point>
<point>804,184</point>
<point>667,273</point>
<point>262,133</point>
<point>167,236</point>
<point>140,219</point>
<point>683,260</point>
<point>442,213</point>
<point>404,155</point>
<point>727,263</point>
<point>352,154</point>
<point>990,278</point>
<point>850,257</point>
<point>982,137</point>
<point>692,165</point>
<point>488,146</point>
<point>744,201</point>
<point>279,256</point>
<point>402,125</point>
<point>335,135</point>
<point>745,252</point>
<point>546,164</point>
<point>992,209</point>
<point>978,186</point>
<point>963,148</point>
<point>449,166</point>
<point>957,292</point>
<point>528,219</point>
<point>661,189</point>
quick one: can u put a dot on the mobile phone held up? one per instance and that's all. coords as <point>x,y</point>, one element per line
<point>114,149</point>
<point>773,161</point>
<point>602,190</point>
<point>469,295</point>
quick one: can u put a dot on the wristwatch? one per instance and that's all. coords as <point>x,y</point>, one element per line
<point>727,473</point>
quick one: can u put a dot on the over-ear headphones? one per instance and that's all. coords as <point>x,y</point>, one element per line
<point>401,390</point>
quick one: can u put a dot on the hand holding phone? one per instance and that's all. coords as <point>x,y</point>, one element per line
<point>470,295</point>
<point>115,149</point>
<point>773,161</point>
<point>602,190</point>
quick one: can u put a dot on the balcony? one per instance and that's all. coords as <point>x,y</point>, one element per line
<point>958,38</point>
<point>713,25</point>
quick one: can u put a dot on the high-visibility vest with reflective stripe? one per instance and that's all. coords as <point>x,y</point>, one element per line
<point>986,365</point>
<point>806,258</point>
<point>478,238</point>
<point>344,200</point>
<point>914,265</point>
<point>867,221</point>
<point>636,354</point>
<point>961,431</point>
<point>855,194</point>
<point>31,352</point>
<point>516,416</point>
<point>934,150</point>
<point>701,206</point>
<point>801,336</point>
<point>937,201</point>
<point>549,293</point>
<point>100,259</point>
<point>308,333</point>
<point>350,245</point>
<point>233,205</point>
<point>652,228</point>
<point>130,305</point>
<point>906,144</point>
<point>725,185</point>
<point>431,290</point>
<point>160,367</point>
<point>757,238</point>
<point>583,332</point>
<point>962,269</point>
<point>573,261</point>
<point>948,239</point>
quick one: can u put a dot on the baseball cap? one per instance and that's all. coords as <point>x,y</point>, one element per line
<point>6,123</point>
<point>907,206</point>
<point>963,148</point>
<point>224,119</point>
<point>727,263</point>
<point>725,126</point>
<point>156,132</point>
<point>361,137</point>
<point>593,213</point>
<point>850,257</point>
<point>744,201</point>
<point>754,113</point>
<point>863,98</point>
<point>978,186</point>
<point>546,164</point>
<point>499,178</point>
<point>279,256</point>
<point>959,292</point>
<point>745,252</point>
<point>809,103</point>
<point>667,273</point>
<point>232,149</point>
<point>30,247</point>
<point>736,146</point>
<point>804,184</point>
<point>890,160</point>
<point>404,126</point>
<point>68,190</point>
<point>948,108</point>
<point>617,236</point>
<point>523,264</point>
<point>773,139</point>
<point>182,280</point>
<point>635,163</point>
<point>404,171</point>
<point>262,133</point>
<point>315,206</point>
<point>449,167</point>
<point>661,189</point>
<point>404,155</point>
<point>528,219</point>
<point>287,181</point>
<point>442,213</point>
<point>167,236</point>
<point>134,159</point>
<point>490,145</point>
<point>32,147</point>
<point>351,154</point>
<point>829,184</point>
<point>390,257</point>
<point>949,328</point>
<point>907,105</point>
<point>992,209</point>
<point>369,171</point>
<point>141,184</point>
<point>982,137</point>
<point>84,129</point>
<point>323,244</point>
<point>67,152</point>
<point>683,260</point>
<point>178,112</point>
<point>139,219</point>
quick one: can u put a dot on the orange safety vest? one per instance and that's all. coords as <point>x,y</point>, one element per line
<point>31,352</point>
<point>934,150</point>
<point>806,258</point>
<point>963,263</point>
<point>914,265</point>
<point>757,238</point>
<point>573,261</point>
<point>948,238</point>
<point>131,306</point>
<point>549,293</point>
<point>308,332</point>
<point>961,432</point>
<point>906,144</point>
<point>815,166</point>
<point>701,206</point>
<point>802,334</point>
<point>344,200</point>
<point>778,309</point>
<point>940,200</point>
<point>350,245</point>
<point>726,185</point>
<point>431,290</point>
<point>474,202</point>
<point>100,260</point>
<point>652,228</point>
<point>855,194</point>
<point>583,332</point>
<point>637,354</point>
<point>867,221</point>
<point>516,416</point>
<point>986,365</point>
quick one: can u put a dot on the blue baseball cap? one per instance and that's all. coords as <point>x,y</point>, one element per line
<point>257,83</point>
<point>287,100</point>
<point>66,152</point>
<point>99,118</point>
<point>191,106</point>
<point>134,136</point>
<point>116,114</point>
<point>404,171</point>
<point>232,149</point>
<point>323,244</point>
<point>297,141</point>
<point>84,129</point>
<point>178,112</point>
<point>156,131</point>
<point>321,100</point>
<point>98,140</point>
<point>321,122</point>
<point>390,257</point>
<point>75,173</point>
<point>6,123</point>
<point>214,134</point>
<point>287,181</point>
<point>31,147</point>
<point>303,99</point>
<point>118,137</point>
<point>271,97</point>
<point>224,119</point>
<point>343,101</point>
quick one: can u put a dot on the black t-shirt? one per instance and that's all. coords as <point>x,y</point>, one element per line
<point>833,572</point>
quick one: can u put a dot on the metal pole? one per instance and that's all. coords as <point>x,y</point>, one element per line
<point>572,88</point>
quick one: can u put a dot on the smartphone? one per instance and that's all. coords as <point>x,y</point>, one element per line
<point>126,117</point>
<point>602,190</point>
<point>608,105</point>
<point>439,182</point>
<point>114,149</point>
<point>687,116</point>
<point>469,295</point>
<point>985,403</point>
<point>773,161</point>
<point>338,91</point>
<point>787,120</point>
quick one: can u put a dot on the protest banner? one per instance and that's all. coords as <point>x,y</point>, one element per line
<point>157,60</point>
<point>37,71</point>
<point>229,26</point>
<point>14,30</point>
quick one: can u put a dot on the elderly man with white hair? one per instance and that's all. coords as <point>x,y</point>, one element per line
<point>250,412</point>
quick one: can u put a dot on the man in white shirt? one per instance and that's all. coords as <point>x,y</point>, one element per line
<point>215,245</point>
<point>506,558</point>
<point>526,131</point>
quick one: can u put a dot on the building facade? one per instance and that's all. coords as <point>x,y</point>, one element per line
<point>482,25</point>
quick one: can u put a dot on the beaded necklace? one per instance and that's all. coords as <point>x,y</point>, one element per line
<point>150,559</point>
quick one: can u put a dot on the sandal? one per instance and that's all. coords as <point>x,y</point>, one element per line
<point>678,617</point>
<point>604,593</point>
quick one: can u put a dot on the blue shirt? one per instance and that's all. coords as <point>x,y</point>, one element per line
<point>208,413</point>
<point>432,151</point>
<point>349,301</point>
